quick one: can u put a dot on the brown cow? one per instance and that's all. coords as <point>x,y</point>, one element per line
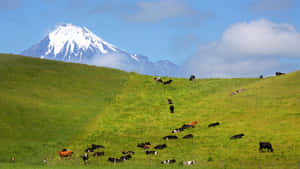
<point>67,153</point>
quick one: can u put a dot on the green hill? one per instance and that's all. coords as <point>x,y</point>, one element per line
<point>46,105</point>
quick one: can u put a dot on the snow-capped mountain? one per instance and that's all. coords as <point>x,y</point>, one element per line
<point>71,43</point>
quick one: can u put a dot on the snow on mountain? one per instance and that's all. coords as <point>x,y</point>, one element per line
<point>71,43</point>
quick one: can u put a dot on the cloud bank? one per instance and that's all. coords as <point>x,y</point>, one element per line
<point>246,49</point>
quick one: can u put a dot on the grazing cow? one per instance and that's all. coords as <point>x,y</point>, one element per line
<point>188,136</point>
<point>177,130</point>
<point>279,73</point>
<point>85,158</point>
<point>144,145</point>
<point>170,101</point>
<point>98,154</point>
<point>88,150</point>
<point>168,161</point>
<point>66,153</point>
<point>150,152</point>
<point>128,152</point>
<point>115,160</point>
<point>167,82</point>
<point>238,136</point>
<point>171,109</point>
<point>192,162</point>
<point>265,145</point>
<point>192,77</point>
<point>170,137</point>
<point>158,79</point>
<point>261,76</point>
<point>186,126</point>
<point>94,146</point>
<point>193,123</point>
<point>162,146</point>
<point>214,124</point>
<point>127,157</point>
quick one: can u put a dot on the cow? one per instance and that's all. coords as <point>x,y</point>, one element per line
<point>150,152</point>
<point>188,136</point>
<point>98,154</point>
<point>94,146</point>
<point>168,161</point>
<point>238,136</point>
<point>170,137</point>
<point>167,82</point>
<point>115,160</point>
<point>85,158</point>
<point>171,109</point>
<point>170,101</point>
<point>177,130</point>
<point>144,145</point>
<point>279,73</point>
<point>88,150</point>
<point>128,152</point>
<point>192,77</point>
<point>261,76</point>
<point>158,79</point>
<point>66,153</point>
<point>186,126</point>
<point>193,123</point>
<point>127,157</point>
<point>265,145</point>
<point>214,124</point>
<point>162,146</point>
<point>192,162</point>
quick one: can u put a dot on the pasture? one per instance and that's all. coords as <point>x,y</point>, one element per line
<point>48,105</point>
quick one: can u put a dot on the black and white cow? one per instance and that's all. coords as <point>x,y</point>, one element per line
<point>95,146</point>
<point>158,79</point>
<point>127,157</point>
<point>238,136</point>
<point>214,124</point>
<point>170,101</point>
<point>178,130</point>
<point>188,136</point>
<point>167,82</point>
<point>170,137</point>
<point>279,73</point>
<point>115,160</point>
<point>85,158</point>
<point>98,154</point>
<point>192,77</point>
<point>162,146</point>
<point>150,152</point>
<point>186,126</point>
<point>144,145</point>
<point>192,162</point>
<point>128,152</point>
<point>168,161</point>
<point>265,145</point>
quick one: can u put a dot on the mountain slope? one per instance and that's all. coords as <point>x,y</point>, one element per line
<point>71,43</point>
<point>138,112</point>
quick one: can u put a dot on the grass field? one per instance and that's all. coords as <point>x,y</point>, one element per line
<point>46,105</point>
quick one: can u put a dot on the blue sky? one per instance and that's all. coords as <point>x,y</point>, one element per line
<point>186,32</point>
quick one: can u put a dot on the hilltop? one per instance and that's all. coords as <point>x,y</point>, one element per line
<point>47,105</point>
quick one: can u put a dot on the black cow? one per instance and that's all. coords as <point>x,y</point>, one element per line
<point>188,136</point>
<point>279,73</point>
<point>186,126</point>
<point>214,124</point>
<point>238,136</point>
<point>170,137</point>
<point>128,152</point>
<point>127,157</point>
<point>94,146</point>
<point>261,76</point>
<point>115,160</point>
<point>98,154</point>
<point>171,109</point>
<point>167,82</point>
<point>170,101</point>
<point>168,161</point>
<point>85,158</point>
<point>192,77</point>
<point>177,130</point>
<point>265,145</point>
<point>162,146</point>
<point>150,152</point>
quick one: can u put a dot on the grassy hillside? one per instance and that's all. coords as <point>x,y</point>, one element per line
<point>46,105</point>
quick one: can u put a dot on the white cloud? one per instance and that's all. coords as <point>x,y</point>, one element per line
<point>247,49</point>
